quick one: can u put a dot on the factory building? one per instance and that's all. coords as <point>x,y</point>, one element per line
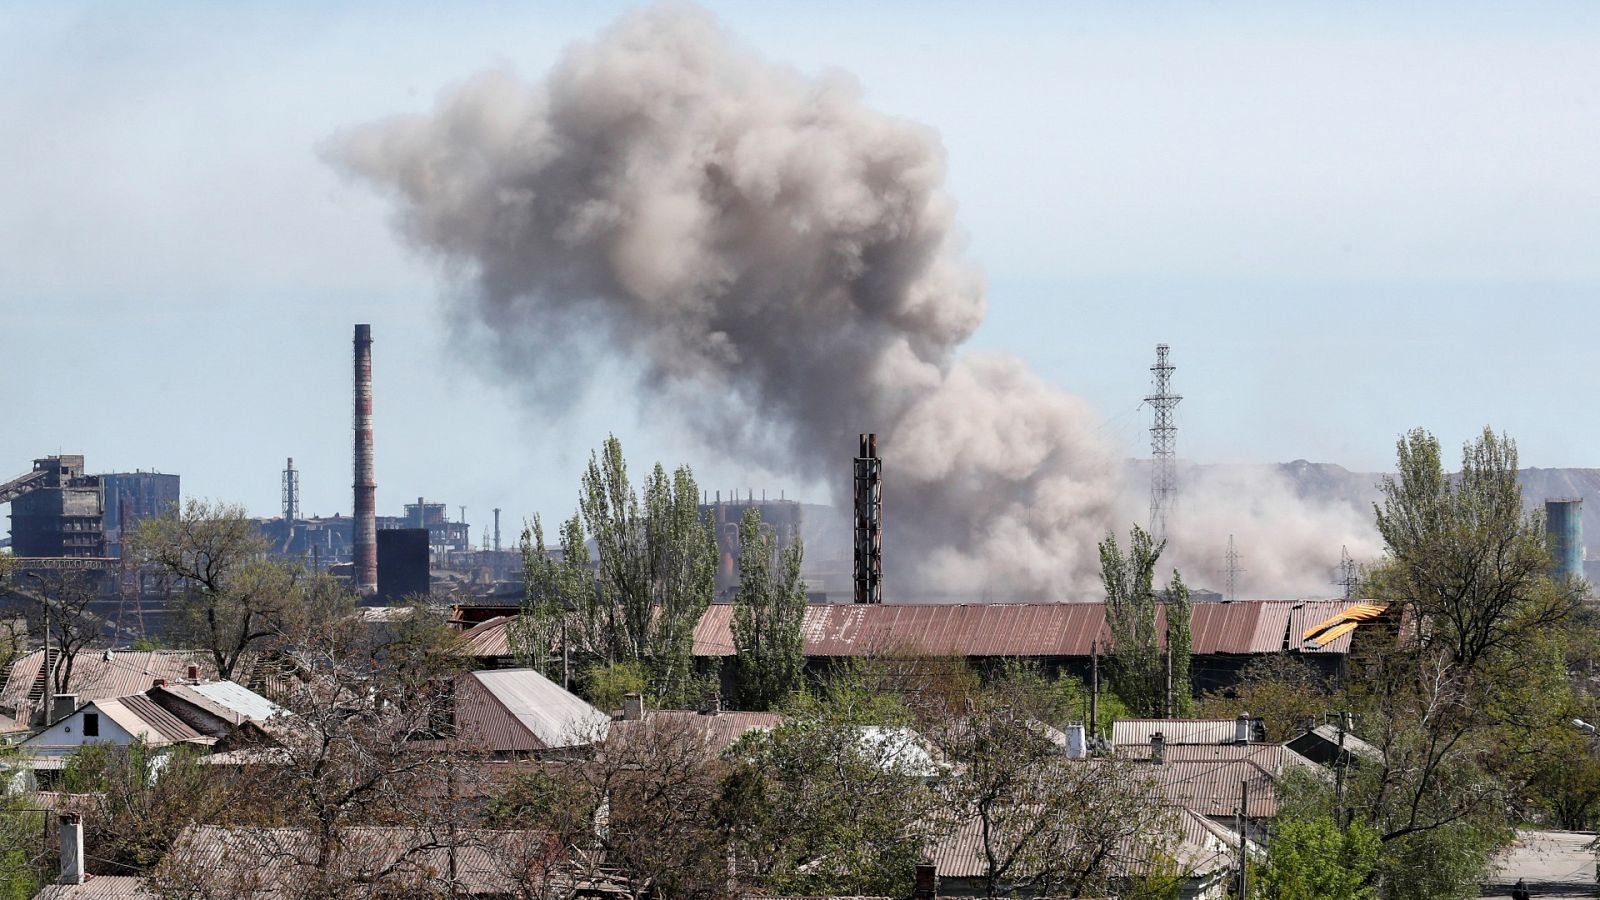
<point>132,497</point>
<point>783,519</point>
<point>56,510</point>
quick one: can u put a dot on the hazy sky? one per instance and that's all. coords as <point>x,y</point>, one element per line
<point>1347,219</point>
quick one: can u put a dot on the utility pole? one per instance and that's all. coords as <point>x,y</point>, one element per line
<point>1170,706</point>
<point>1094,689</point>
<point>1163,443</point>
<point>1244,858</point>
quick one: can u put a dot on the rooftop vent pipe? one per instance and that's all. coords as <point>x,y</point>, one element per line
<point>71,848</point>
<point>1242,728</point>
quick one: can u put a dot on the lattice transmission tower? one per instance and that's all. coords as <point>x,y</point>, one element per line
<point>1233,569</point>
<point>1349,575</point>
<point>1163,443</point>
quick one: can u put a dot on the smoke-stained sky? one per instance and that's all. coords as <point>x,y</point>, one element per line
<point>1345,221</point>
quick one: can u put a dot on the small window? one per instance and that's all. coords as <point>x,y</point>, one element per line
<point>91,724</point>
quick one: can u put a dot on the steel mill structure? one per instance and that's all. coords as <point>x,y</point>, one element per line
<point>869,522</point>
<point>1563,525</point>
<point>364,549</point>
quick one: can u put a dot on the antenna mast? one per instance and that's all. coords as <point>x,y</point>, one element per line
<point>1163,443</point>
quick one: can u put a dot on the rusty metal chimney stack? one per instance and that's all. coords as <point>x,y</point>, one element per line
<point>869,522</point>
<point>365,543</point>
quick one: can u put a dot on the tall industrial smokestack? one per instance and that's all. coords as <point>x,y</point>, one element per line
<point>869,522</point>
<point>365,544</point>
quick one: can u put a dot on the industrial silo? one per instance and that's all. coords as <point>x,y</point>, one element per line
<point>1563,526</point>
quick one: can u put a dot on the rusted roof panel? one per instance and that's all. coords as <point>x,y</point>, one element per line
<point>518,710</point>
<point>105,674</point>
<point>488,639</point>
<point>1174,731</point>
<point>98,887</point>
<point>1024,629</point>
<point>145,719</point>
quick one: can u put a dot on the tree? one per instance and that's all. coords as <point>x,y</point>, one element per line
<point>768,614</point>
<point>560,610</point>
<point>657,567</point>
<point>1138,669</point>
<point>1316,859</point>
<point>230,597</point>
<point>72,626</point>
<point>1475,667</point>
<point>1281,689</point>
<point>1045,825</point>
<point>833,800</point>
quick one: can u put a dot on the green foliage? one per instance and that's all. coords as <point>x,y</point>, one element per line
<point>813,808</point>
<point>21,851</point>
<point>1281,689</point>
<point>1138,667</point>
<point>604,684</point>
<point>768,614</point>
<point>1314,859</point>
<point>560,602</point>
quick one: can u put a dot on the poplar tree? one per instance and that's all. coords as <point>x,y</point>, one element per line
<point>1138,666</point>
<point>769,611</point>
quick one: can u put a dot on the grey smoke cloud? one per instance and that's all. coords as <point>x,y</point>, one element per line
<point>779,261</point>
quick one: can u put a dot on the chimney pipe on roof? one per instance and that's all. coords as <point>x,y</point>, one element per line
<point>1242,729</point>
<point>365,544</point>
<point>1158,748</point>
<point>869,522</point>
<point>632,707</point>
<point>927,883</point>
<point>71,849</point>
<point>194,673</point>
<point>1076,742</point>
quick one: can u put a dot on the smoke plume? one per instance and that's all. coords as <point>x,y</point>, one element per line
<point>779,261</point>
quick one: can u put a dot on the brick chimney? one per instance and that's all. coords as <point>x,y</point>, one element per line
<point>194,673</point>
<point>1077,742</point>
<point>927,883</point>
<point>632,707</point>
<point>71,849</point>
<point>1158,748</point>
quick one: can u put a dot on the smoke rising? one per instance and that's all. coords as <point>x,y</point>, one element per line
<point>780,262</point>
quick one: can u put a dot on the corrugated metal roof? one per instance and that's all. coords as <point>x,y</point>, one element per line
<point>97,677</point>
<point>98,887</point>
<point>1274,758</point>
<point>1198,845</point>
<point>1021,629</point>
<point>144,719</point>
<point>718,731</point>
<point>1213,788</point>
<point>272,862</point>
<point>1338,620</point>
<point>489,639</point>
<point>243,702</point>
<point>542,709</point>
<point>1174,731</point>
<point>986,629</point>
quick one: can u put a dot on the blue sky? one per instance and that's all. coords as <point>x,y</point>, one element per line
<point>1347,219</point>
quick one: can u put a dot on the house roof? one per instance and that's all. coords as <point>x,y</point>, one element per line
<point>101,675</point>
<point>98,887</point>
<point>718,731</point>
<point>226,700</point>
<point>1276,759</point>
<point>1174,731</point>
<point>1027,629</point>
<point>489,639</point>
<point>145,719</point>
<point>272,862</point>
<point>1330,735</point>
<point>1214,788</point>
<point>519,709</point>
<point>1197,845</point>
